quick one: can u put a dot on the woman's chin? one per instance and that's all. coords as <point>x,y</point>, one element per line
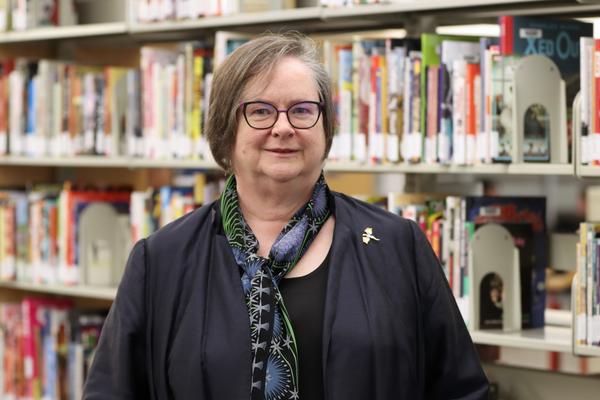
<point>285,173</point>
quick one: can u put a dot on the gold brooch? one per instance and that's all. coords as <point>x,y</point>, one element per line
<point>368,235</point>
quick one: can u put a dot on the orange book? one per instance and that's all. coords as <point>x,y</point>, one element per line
<point>473,70</point>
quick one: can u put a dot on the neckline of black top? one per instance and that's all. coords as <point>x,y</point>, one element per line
<point>311,274</point>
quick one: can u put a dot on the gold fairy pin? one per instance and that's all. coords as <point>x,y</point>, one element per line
<point>368,235</point>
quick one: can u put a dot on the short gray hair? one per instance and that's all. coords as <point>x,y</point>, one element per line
<point>253,58</point>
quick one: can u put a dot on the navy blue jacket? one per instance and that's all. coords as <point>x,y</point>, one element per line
<point>178,328</point>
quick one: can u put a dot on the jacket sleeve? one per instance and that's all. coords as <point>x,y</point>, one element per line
<point>118,370</point>
<point>452,364</point>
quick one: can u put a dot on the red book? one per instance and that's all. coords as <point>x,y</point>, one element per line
<point>596,99</point>
<point>32,323</point>
<point>506,38</point>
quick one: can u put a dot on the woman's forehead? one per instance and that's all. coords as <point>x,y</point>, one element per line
<point>289,76</point>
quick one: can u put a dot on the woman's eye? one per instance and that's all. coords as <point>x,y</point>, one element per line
<point>260,111</point>
<point>301,110</point>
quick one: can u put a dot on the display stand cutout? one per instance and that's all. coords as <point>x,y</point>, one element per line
<point>539,107</point>
<point>98,245</point>
<point>492,253</point>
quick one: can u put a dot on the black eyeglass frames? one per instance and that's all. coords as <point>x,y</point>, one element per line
<point>263,115</point>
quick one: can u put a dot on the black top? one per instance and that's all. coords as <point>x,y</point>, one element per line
<point>304,299</point>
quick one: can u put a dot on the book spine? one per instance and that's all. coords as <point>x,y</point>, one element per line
<point>459,111</point>
<point>506,34</point>
<point>581,320</point>
<point>595,137</point>
<point>472,75</point>
<point>29,351</point>
<point>432,114</point>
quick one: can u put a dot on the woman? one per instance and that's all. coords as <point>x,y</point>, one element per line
<point>282,289</point>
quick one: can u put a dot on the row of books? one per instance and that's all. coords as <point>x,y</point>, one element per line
<point>46,347</point>
<point>590,101</point>
<point>61,109</point>
<point>437,99</point>
<point>449,223</point>
<point>20,15</point>
<point>79,236</point>
<point>447,99</point>
<point>163,10</point>
<point>175,89</point>
<point>587,285</point>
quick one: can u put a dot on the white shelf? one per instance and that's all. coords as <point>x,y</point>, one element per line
<point>100,293</point>
<point>417,5</point>
<point>549,338</point>
<point>104,162</point>
<point>540,169</point>
<point>64,32</point>
<point>584,350</point>
<point>338,166</point>
<point>78,161</point>
<point>234,20</point>
<point>482,169</point>
<point>591,171</point>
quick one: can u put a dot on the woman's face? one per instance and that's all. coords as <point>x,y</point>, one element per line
<point>282,152</point>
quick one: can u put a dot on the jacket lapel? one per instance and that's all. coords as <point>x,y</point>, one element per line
<point>340,254</point>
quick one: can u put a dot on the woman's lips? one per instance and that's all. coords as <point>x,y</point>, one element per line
<point>282,151</point>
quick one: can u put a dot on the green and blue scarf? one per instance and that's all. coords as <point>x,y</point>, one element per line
<point>274,351</point>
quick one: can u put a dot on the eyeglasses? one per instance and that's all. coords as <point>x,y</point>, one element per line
<point>262,115</point>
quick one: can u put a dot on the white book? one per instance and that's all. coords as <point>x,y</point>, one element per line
<point>16,109</point>
<point>143,10</point>
<point>4,18</point>
<point>76,368</point>
<point>183,9</point>
<point>459,102</point>
<point>359,147</point>
<point>19,15</point>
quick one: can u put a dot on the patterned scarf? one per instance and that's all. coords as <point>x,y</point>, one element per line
<point>274,352</point>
